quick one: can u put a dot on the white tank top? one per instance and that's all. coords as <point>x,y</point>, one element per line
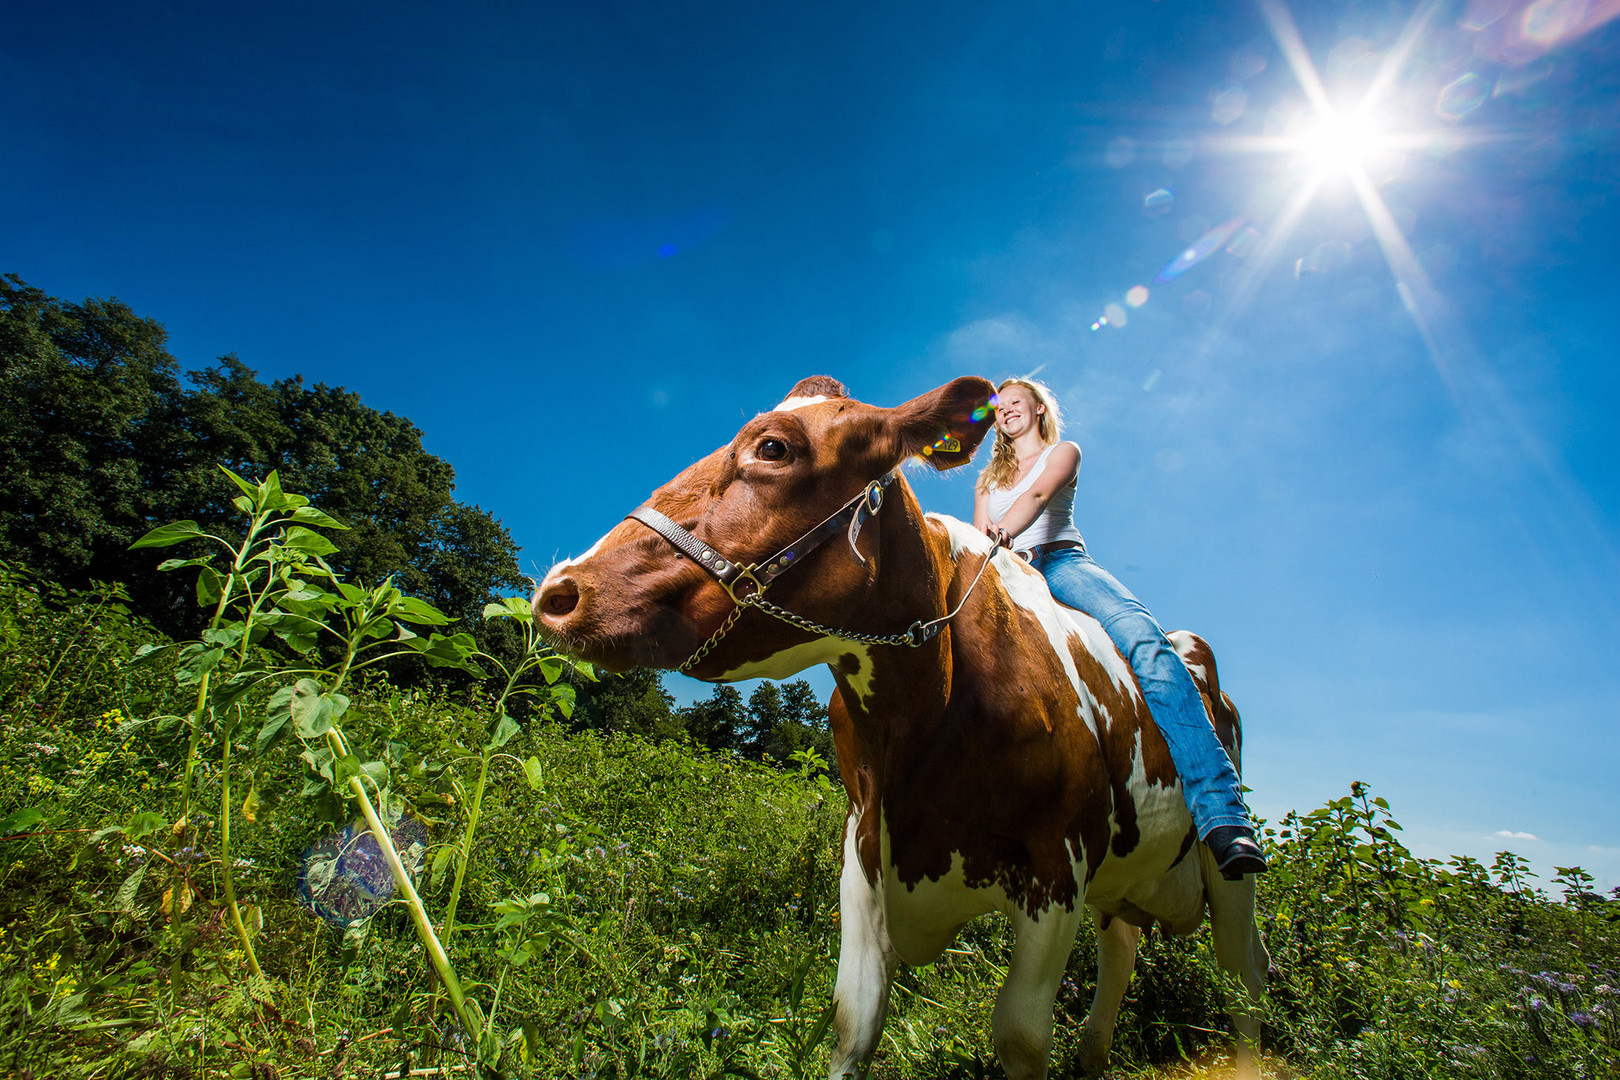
<point>1056,519</point>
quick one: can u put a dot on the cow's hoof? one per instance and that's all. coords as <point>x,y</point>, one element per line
<point>1093,1057</point>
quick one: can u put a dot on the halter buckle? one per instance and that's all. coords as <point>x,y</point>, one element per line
<point>744,587</point>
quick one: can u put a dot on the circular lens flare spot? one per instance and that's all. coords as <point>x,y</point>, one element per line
<point>1137,296</point>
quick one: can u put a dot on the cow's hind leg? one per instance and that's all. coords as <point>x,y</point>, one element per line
<point>1022,1022</point>
<point>866,963</point>
<point>1239,950</point>
<point>1116,959</point>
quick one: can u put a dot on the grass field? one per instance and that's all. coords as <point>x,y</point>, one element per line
<point>630,908</point>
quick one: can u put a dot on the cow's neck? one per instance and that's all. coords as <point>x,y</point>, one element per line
<point>890,691</point>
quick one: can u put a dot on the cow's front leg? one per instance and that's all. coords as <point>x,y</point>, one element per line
<point>1239,950</point>
<point>1022,1022</point>
<point>1116,958</point>
<point>866,963</point>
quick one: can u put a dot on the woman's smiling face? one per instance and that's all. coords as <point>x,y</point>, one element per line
<point>1017,411</point>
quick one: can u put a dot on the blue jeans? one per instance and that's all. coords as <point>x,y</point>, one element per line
<point>1208,780</point>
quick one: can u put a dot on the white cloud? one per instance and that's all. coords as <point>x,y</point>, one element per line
<point>1002,338</point>
<point>1517,835</point>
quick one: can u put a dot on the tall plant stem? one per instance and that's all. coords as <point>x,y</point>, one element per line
<point>473,812</point>
<point>225,594</point>
<point>225,860</point>
<point>424,928</point>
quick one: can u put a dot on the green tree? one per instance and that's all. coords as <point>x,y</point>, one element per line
<point>792,720</point>
<point>86,396</point>
<point>635,701</point>
<point>720,721</point>
<point>101,438</point>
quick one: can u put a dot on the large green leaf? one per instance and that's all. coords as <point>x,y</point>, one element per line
<point>309,541</point>
<point>270,495</point>
<point>510,607</point>
<point>298,631</point>
<point>21,820</point>
<point>504,732</point>
<point>562,699</point>
<point>125,899</point>
<point>250,490</point>
<point>410,609</point>
<point>176,532</point>
<point>311,516</point>
<point>311,712</point>
<point>454,650</point>
<point>208,586</point>
<point>552,666</point>
<point>195,662</point>
<point>144,823</point>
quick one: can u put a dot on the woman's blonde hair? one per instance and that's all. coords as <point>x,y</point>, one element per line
<point>1003,458</point>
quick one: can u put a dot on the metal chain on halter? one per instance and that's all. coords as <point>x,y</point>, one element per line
<point>714,638</point>
<point>918,633</point>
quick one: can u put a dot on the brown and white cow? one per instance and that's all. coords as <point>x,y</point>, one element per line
<point>1007,763</point>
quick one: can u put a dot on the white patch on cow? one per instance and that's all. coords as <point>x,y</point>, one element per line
<point>567,563</point>
<point>789,404</point>
<point>963,537</point>
<point>807,654</point>
<point>1184,644</point>
<point>860,680</point>
<point>1027,588</point>
<point>924,918</point>
<point>866,960</point>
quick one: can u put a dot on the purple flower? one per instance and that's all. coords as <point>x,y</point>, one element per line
<point>1582,1021</point>
<point>1536,1005</point>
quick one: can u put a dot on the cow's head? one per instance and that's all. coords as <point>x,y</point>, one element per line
<point>635,600</point>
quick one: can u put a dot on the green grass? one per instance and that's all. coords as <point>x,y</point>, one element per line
<point>669,912</point>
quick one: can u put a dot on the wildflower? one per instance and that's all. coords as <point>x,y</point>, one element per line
<point>1537,1005</point>
<point>1583,1021</point>
<point>720,1033</point>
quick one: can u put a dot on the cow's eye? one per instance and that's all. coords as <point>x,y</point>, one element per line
<point>772,450</point>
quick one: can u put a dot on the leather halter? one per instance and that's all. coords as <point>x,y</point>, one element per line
<point>746,584</point>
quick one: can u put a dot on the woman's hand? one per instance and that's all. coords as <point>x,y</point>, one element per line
<point>999,536</point>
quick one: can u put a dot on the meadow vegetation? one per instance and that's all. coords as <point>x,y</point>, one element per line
<point>600,899</point>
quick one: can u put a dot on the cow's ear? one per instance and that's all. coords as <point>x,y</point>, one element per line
<point>945,426</point>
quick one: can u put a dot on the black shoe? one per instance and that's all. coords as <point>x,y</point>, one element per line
<point>1236,852</point>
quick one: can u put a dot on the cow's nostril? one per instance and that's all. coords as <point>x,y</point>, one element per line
<point>558,598</point>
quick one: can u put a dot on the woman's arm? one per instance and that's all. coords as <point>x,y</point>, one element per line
<point>981,509</point>
<point>1061,467</point>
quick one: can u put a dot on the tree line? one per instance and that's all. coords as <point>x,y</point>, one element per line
<point>775,722</point>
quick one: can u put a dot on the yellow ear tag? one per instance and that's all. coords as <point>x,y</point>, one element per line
<point>950,444</point>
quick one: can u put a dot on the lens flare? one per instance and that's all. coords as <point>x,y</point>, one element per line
<point>1207,245</point>
<point>344,878</point>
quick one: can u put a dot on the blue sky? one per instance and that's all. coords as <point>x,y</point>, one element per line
<point>578,245</point>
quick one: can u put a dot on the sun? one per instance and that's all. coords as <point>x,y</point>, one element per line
<point>1340,143</point>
